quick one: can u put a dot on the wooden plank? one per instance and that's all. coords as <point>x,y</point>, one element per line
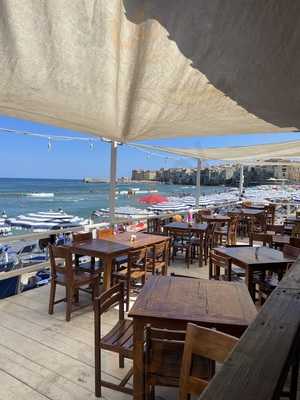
<point>12,389</point>
<point>256,364</point>
<point>40,379</point>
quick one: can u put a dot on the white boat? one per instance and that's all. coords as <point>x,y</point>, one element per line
<point>39,194</point>
<point>42,221</point>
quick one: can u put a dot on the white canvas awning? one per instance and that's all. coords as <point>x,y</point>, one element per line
<point>284,150</point>
<point>139,69</point>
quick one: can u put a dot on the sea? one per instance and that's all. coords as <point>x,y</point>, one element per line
<point>21,196</point>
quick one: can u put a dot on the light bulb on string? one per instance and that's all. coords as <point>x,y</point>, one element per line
<point>49,144</point>
<point>92,145</point>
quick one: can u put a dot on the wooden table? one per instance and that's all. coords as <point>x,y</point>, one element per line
<point>172,302</point>
<point>185,227</point>
<point>254,259</point>
<point>216,218</point>
<point>108,249</point>
<point>280,240</point>
<point>247,212</point>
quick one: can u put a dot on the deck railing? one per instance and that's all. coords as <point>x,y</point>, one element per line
<point>45,235</point>
<point>259,364</point>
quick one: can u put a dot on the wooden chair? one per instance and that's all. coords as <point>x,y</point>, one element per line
<point>265,238</point>
<point>295,242</point>
<point>105,233</point>
<point>203,342</point>
<point>64,273</point>
<point>136,270</point>
<point>154,225</point>
<point>267,281</point>
<point>181,242</point>
<point>270,213</point>
<point>118,340</point>
<point>218,262</point>
<point>87,266</point>
<point>275,229</point>
<point>157,258</point>
<point>229,231</point>
<point>208,240</point>
<point>296,230</point>
<point>163,358</point>
<point>199,215</point>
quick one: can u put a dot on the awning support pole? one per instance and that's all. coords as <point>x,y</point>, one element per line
<point>198,182</point>
<point>113,180</point>
<point>241,179</point>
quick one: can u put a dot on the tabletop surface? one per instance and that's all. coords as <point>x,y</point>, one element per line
<point>247,211</point>
<point>117,244</point>
<point>255,255</point>
<point>195,300</point>
<point>281,239</point>
<point>217,217</point>
<point>185,226</point>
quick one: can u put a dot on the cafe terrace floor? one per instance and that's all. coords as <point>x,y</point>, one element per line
<point>45,357</point>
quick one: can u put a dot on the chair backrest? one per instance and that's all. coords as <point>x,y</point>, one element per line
<point>291,251</point>
<point>211,226</point>
<point>65,255</point>
<point>265,238</point>
<point>296,230</point>
<point>199,215</point>
<point>154,225</point>
<point>137,259</point>
<point>160,251</point>
<point>105,233</point>
<point>162,345</point>
<point>295,242</point>
<point>275,228</point>
<point>203,342</point>
<point>216,262</point>
<point>82,236</point>
<point>232,228</point>
<point>163,358</point>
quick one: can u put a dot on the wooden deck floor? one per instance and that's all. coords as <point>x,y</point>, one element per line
<point>44,357</point>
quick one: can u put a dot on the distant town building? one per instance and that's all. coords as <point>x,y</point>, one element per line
<point>280,171</point>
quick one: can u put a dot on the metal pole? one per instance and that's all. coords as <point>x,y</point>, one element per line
<point>113,179</point>
<point>241,179</point>
<point>198,182</point>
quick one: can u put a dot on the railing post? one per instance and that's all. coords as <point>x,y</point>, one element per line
<point>198,182</point>
<point>113,179</point>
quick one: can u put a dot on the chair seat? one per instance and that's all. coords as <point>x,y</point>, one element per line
<point>158,265</point>
<point>80,278</point>
<point>221,231</point>
<point>134,274</point>
<point>120,338</point>
<point>88,266</point>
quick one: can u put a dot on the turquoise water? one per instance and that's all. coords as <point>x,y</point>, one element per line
<point>75,196</point>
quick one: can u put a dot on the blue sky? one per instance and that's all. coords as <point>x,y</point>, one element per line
<point>28,157</point>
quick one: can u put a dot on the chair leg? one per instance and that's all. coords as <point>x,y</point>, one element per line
<point>98,371</point>
<point>121,361</point>
<point>69,296</point>
<point>127,293</point>
<point>52,297</point>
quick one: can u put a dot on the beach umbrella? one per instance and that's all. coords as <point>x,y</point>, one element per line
<point>153,199</point>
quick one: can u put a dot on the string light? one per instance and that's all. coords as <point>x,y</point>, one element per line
<point>92,145</point>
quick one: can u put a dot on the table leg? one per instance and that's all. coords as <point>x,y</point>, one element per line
<point>138,360</point>
<point>249,282</point>
<point>107,272</point>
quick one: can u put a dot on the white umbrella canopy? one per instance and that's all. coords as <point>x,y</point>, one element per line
<point>138,69</point>
<point>284,150</point>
